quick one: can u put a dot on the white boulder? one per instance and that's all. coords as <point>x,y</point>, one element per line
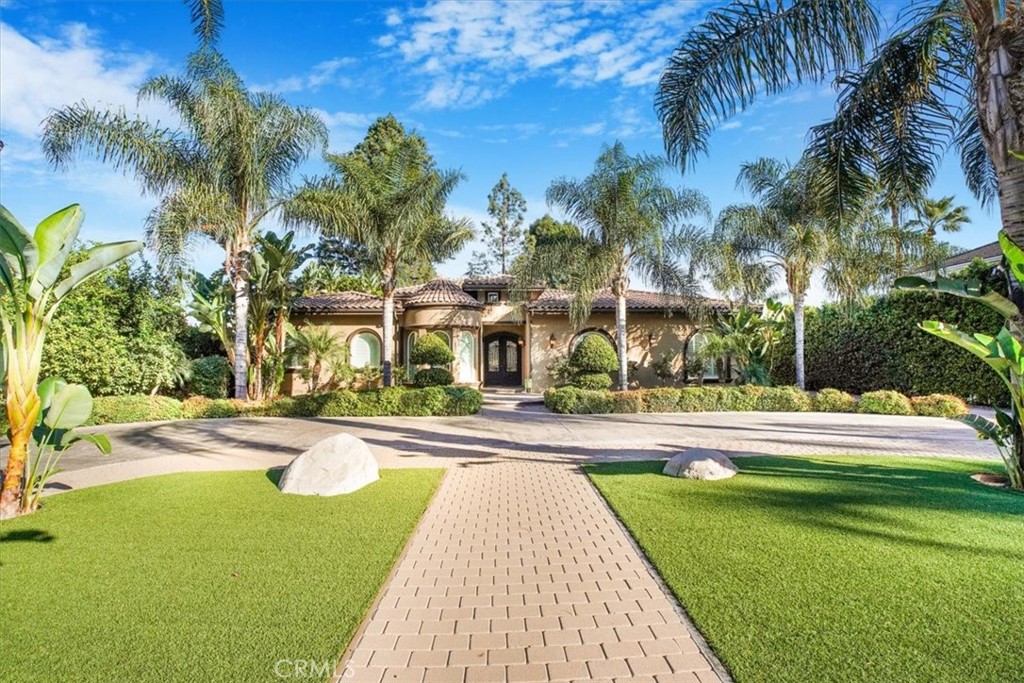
<point>338,464</point>
<point>700,463</point>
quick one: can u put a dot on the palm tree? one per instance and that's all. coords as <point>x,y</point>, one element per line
<point>218,177</point>
<point>934,215</point>
<point>316,348</point>
<point>391,202</point>
<point>272,290</point>
<point>784,232</point>
<point>948,74</point>
<point>630,222</point>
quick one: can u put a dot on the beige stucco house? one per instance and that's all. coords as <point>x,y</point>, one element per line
<point>496,342</point>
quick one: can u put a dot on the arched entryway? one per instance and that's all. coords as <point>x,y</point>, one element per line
<point>503,360</point>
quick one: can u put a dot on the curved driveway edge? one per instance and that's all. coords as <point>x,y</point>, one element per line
<point>257,443</point>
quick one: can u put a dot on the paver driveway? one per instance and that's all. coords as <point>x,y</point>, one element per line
<point>519,572</point>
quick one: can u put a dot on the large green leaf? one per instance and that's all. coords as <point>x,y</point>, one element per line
<point>19,251</point>
<point>55,235</point>
<point>965,341</point>
<point>1014,255</point>
<point>968,289</point>
<point>47,389</point>
<point>99,440</point>
<point>71,407</point>
<point>986,428</point>
<point>97,259</point>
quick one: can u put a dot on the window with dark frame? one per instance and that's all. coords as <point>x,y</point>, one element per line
<point>493,297</point>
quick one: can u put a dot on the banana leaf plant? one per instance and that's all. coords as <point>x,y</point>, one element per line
<point>63,408</point>
<point>33,283</point>
<point>1002,352</point>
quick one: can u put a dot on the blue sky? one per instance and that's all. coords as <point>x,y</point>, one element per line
<point>530,88</point>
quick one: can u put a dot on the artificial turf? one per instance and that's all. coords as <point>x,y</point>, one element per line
<point>196,577</point>
<point>838,568</point>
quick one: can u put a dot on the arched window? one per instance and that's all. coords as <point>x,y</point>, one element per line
<point>447,340</point>
<point>693,346</point>
<point>590,333</point>
<point>364,350</point>
<point>410,343</point>
<point>467,358</point>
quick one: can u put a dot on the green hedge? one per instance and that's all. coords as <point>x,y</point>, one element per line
<point>373,403</point>
<point>880,347</point>
<point>575,401</point>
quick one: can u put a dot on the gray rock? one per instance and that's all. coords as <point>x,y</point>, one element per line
<point>700,463</point>
<point>338,464</point>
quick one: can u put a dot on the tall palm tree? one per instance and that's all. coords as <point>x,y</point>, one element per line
<point>933,215</point>
<point>218,177</point>
<point>784,232</point>
<point>630,223</point>
<point>392,204</point>
<point>948,74</point>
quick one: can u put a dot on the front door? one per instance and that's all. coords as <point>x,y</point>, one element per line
<point>503,360</point>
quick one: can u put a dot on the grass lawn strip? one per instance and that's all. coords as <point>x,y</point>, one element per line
<point>196,577</point>
<point>838,568</point>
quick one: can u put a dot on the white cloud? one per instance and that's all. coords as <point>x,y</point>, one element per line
<point>346,128</point>
<point>42,74</point>
<point>324,73</point>
<point>474,52</point>
<point>730,125</point>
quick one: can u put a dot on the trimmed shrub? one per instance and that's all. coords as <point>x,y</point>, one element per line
<point>594,353</point>
<point>694,400</point>
<point>562,400</point>
<point>593,402</point>
<point>938,405</point>
<point>433,377</point>
<point>431,349</point>
<point>665,400</point>
<point>783,400</point>
<point>211,377</point>
<point>122,409</point>
<point>593,380</point>
<point>462,401</point>
<point>834,401</point>
<point>885,403</point>
<point>627,402</point>
<point>429,401</point>
<point>201,407</point>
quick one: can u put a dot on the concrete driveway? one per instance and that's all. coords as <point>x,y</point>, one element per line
<point>506,427</point>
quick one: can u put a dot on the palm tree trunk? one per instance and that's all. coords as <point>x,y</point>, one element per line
<point>798,334</point>
<point>388,343</point>
<point>241,336</point>
<point>620,340</point>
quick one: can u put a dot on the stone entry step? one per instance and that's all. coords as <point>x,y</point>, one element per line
<point>520,572</point>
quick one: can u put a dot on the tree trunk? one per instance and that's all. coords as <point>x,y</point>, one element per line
<point>388,343</point>
<point>798,335</point>
<point>241,336</point>
<point>620,339</point>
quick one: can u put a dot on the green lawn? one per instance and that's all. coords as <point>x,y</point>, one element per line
<point>196,577</point>
<point>838,568</point>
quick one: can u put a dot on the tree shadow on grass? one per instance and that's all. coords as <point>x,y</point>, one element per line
<point>867,500</point>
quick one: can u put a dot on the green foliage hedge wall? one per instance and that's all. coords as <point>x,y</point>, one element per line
<point>881,347</point>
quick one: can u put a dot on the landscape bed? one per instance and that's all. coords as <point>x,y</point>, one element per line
<point>197,577</point>
<point>838,568</point>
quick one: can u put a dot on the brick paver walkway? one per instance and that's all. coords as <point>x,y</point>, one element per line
<point>520,572</point>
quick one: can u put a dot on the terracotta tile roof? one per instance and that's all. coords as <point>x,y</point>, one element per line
<point>558,301</point>
<point>480,281</point>
<point>438,292</point>
<point>340,302</point>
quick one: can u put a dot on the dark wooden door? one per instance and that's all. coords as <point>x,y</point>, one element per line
<point>503,360</point>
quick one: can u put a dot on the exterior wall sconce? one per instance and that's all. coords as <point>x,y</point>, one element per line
<point>552,341</point>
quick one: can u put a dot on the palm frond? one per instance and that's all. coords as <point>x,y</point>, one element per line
<point>754,47</point>
<point>207,19</point>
